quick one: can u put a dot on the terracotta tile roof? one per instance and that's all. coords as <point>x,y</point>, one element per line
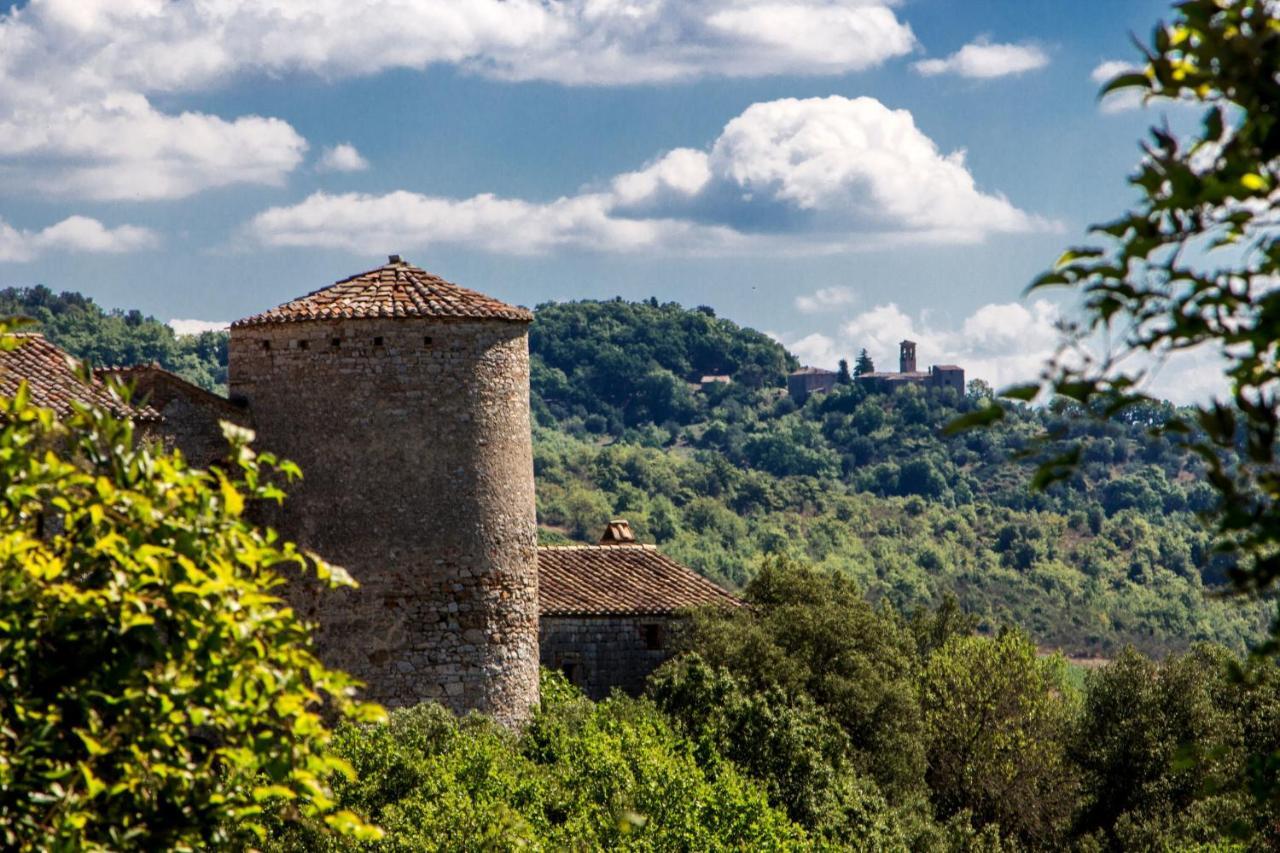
<point>396,289</point>
<point>50,374</point>
<point>619,580</point>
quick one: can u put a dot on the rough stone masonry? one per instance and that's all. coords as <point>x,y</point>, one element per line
<point>405,400</point>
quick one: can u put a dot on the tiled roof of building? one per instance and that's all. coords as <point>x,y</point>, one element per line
<point>396,289</point>
<point>813,371</point>
<point>50,373</point>
<point>619,580</point>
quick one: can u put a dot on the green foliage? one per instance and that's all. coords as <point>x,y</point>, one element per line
<point>801,755</point>
<point>613,365</point>
<point>996,719</point>
<point>155,693</point>
<point>1163,748</point>
<point>814,638</point>
<point>1193,264</point>
<point>608,775</point>
<point>105,338</point>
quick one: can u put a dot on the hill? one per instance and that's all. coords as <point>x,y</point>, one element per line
<point>723,475</point>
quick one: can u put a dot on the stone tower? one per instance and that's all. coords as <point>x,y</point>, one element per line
<point>907,357</point>
<point>405,400</point>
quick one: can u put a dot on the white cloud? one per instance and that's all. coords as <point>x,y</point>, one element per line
<point>73,234</point>
<point>342,158</point>
<point>407,220</point>
<point>1121,100</point>
<point>78,78</point>
<point>195,327</point>
<point>825,299</point>
<point>982,59</point>
<point>816,175</point>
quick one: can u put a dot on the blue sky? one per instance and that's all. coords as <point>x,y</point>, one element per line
<point>836,172</point>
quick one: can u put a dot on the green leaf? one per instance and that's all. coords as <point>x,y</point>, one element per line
<point>1025,393</point>
<point>982,417</point>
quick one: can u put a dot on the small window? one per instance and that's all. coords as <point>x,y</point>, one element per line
<point>303,344</point>
<point>266,344</point>
<point>336,342</point>
<point>377,342</point>
<point>426,341</point>
<point>572,672</point>
<point>652,636</point>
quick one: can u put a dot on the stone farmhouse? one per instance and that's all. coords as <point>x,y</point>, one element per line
<point>816,380</point>
<point>405,400</point>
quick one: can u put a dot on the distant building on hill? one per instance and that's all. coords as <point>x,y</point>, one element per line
<point>817,380</point>
<point>810,380</point>
<point>937,376</point>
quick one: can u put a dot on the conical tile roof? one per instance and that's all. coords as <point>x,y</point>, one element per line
<point>396,289</point>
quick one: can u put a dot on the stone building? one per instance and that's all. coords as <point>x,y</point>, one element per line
<point>949,376</point>
<point>810,380</point>
<point>191,416</point>
<point>608,610</point>
<point>404,398</point>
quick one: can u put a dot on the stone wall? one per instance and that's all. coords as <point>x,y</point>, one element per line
<point>192,415</point>
<point>414,440</point>
<point>601,653</point>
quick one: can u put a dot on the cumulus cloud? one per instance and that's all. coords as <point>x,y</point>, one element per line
<point>825,299</point>
<point>981,59</point>
<point>79,78</point>
<point>195,327</point>
<point>73,234</point>
<point>342,158</point>
<point>816,175</point>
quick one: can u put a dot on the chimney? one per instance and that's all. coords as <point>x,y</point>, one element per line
<point>393,259</point>
<point>618,532</point>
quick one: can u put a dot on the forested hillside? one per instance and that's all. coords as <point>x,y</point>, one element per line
<point>867,484</point>
<point>82,327</point>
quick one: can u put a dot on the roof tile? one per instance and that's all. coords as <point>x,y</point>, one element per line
<point>51,376</point>
<point>619,580</point>
<point>397,289</point>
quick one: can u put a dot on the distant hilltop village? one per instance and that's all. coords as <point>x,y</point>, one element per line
<point>817,380</point>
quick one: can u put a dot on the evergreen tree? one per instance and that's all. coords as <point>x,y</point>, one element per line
<point>842,375</point>
<point>864,364</point>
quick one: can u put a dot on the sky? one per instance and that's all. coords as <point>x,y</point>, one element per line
<point>838,173</point>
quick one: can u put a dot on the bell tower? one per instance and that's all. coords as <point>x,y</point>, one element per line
<point>907,357</point>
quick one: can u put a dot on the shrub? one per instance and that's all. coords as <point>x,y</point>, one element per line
<point>154,691</point>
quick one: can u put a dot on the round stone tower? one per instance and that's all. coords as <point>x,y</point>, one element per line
<point>405,400</point>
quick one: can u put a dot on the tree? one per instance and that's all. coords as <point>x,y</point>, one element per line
<point>995,718</point>
<point>155,692</point>
<point>864,364</point>
<point>1155,743</point>
<point>799,754</point>
<point>842,373</point>
<point>812,634</point>
<point>1193,266</point>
